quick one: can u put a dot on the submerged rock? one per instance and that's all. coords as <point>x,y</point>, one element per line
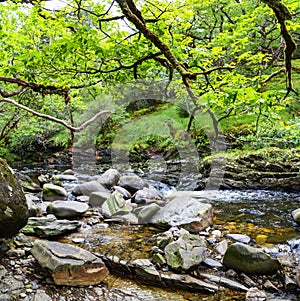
<point>68,264</point>
<point>249,260</point>
<point>13,205</point>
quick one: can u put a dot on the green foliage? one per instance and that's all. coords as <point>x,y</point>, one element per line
<point>85,49</point>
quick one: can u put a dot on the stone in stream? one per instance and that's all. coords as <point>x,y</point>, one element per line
<point>14,210</point>
<point>254,294</point>
<point>186,252</point>
<point>97,198</point>
<point>145,271</point>
<point>110,178</point>
<point>146,195</point>
<point>296,216</point>
<point>49,226</point>
<point>67,209</point>
<point>185,211</point>
<point>68,264</point>
<point>249,260</point>
<point>53,192</point>
<point>27,183</point>
<point>115,205</point>
<point>145,213</point>
<point>64,178</point>
<point>125,193</point>
<point>88,187</point>
<point>243,238</point>
<point>132,183</point>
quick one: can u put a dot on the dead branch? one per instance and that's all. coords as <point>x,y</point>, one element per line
<point>56,120</point>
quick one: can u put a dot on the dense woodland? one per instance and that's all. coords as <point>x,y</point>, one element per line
<point>216,68</point>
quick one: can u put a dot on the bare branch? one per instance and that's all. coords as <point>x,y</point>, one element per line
<point>51,118</point>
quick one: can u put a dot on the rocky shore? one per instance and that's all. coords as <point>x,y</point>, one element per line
<point>52,257</point>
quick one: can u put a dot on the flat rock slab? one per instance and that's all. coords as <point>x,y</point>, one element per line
<point>185,210</point>
<point>49,226</point>
<point>67,209</point>
<point>68,264</point>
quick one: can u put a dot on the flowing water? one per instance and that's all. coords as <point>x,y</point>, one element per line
<point>265,216</point>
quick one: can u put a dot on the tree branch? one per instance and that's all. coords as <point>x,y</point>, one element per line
<point>282,14</point>
<point>51,118</point>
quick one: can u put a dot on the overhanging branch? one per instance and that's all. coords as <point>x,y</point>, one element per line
<point>56,120</point>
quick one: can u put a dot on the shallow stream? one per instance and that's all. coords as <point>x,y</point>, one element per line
<point>265,216</point>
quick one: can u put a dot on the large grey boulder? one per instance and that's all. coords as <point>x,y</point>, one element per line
<point>249,260</point>
<point>186,252</point>
<point>68,264</point>
<point>53,192</point>
<point>185,211</point>
<point>13,205</point>
<point>110,178</point>
<point>88,188</point>
<point>67,209</point>
<point>132,183</point>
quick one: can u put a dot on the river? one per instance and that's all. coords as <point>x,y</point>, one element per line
<point>263,215</point>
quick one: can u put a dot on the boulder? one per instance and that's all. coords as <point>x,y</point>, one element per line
<point>27,183</point>
<point>68,264</point>
<point>88,187</point>
<point>97,199</point>
<point>53,192</point>
<point>186,252</point>
<point>49,226</point>
<point>13,205</point>
<point>132,183</point>
<point>67,209</point>
<point>147,195</point>
<point>249,260</point>
<point>110,178</point>
<point>145,213</point>
<point>115,205</point>
<point>185,211</point>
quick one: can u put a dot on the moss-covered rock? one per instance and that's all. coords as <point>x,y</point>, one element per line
<point>249,260</point>
<point>13,205</point>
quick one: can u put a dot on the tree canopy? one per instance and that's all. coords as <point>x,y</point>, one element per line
<point>225,53</point>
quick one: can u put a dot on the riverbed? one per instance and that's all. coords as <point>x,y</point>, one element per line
<point>265,216</point>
